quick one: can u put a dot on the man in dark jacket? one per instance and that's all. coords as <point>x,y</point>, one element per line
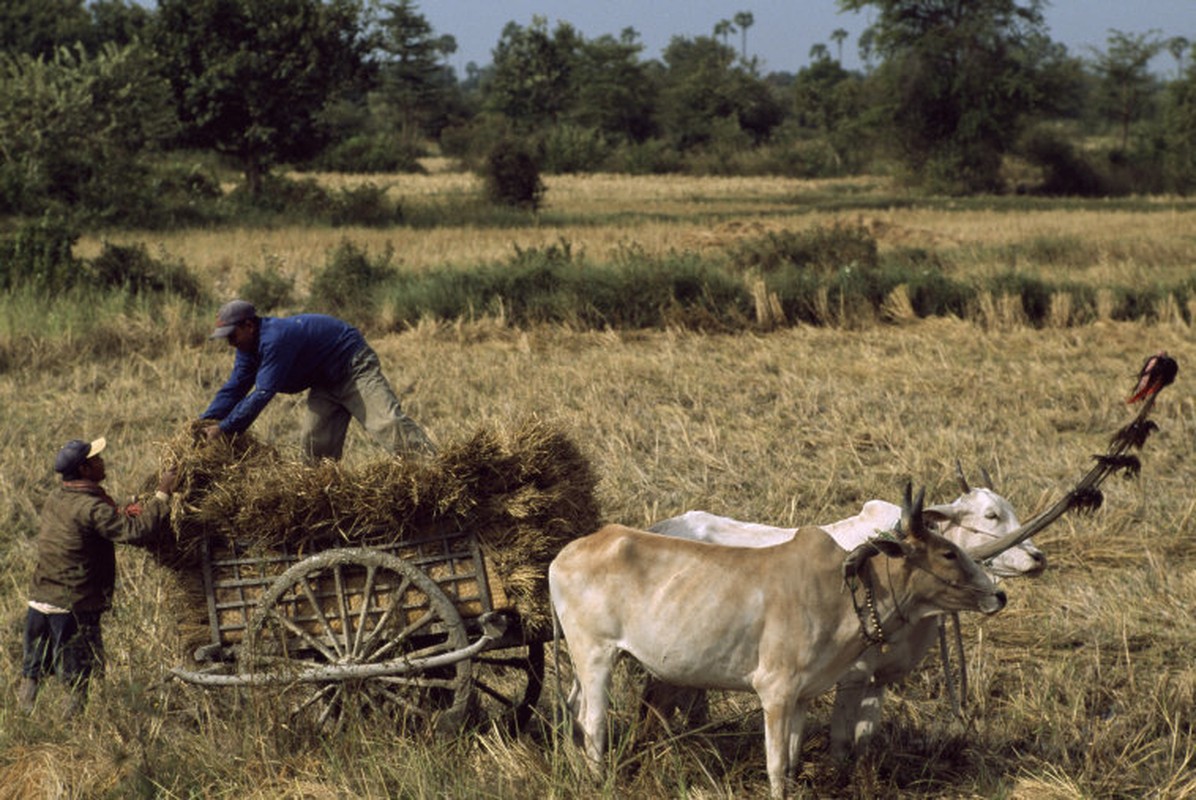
<point>75,576</point>
<point>313,352</point>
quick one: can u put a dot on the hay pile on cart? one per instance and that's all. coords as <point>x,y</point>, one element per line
<point>523,492</point>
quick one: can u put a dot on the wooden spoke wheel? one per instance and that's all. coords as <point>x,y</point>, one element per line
<point>507,684</point>
<point>349,608</point>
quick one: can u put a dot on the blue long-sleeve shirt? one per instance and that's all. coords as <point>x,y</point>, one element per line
<point>293,354</point>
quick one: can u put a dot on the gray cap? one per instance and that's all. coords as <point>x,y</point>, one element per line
<point>231,313</point>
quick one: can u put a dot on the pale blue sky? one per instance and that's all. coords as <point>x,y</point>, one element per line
<point>783,31</point>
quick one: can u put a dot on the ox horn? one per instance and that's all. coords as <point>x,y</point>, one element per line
<point>912,522</point>
<point>995,547</point>
<point>988,482</point>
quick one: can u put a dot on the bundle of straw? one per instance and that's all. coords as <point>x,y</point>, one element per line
<point>525,493</point>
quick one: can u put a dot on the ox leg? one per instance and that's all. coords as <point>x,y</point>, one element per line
<point>784,724</point>
<point>871,699</point>
<point>848,697</point>
<point>594,677</point>
<point>855,717</point>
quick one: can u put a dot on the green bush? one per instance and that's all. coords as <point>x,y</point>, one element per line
<point>365,205</point>
<point>570,148</point>
<point>1035,294</point>
<point>651,157</point>
<point>131,268</point>
<point>553,285</point>
<point>349,279</point>
<point>1064,170</point>
<point>267,289</point>
<point>305,200</point>
<point>823,249</point>
<point>512,176</point>
<point>280,195</point>
<point>933,294</point>
<point>372,153</point>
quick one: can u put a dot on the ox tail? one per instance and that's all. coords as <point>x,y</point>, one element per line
<point>562,704</point>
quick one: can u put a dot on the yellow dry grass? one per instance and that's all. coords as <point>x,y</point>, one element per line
<point>703,214</point>
<point>1083,687</point>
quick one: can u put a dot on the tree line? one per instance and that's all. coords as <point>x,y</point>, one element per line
<point>98,99</point>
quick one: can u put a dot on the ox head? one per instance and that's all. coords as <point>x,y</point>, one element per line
<point>979,516</point>
<point>938,571</point>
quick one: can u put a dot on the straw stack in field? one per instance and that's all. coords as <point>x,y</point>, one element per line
<point>525,492</point>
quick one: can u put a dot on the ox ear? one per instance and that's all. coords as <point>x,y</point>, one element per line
<point>937,515</point>
<point>858,558</point>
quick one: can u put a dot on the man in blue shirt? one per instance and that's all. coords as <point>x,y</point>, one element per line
<point>313,352</point>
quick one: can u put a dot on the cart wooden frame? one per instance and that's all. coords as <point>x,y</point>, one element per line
<point>418,631</point>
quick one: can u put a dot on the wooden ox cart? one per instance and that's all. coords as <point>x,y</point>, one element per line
<point>423,599</point>
<point>417,630</point>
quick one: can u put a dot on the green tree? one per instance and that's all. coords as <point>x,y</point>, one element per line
<point>532,83</point>
<point>1179,123</point>
<point>744,20</point>
<point>960,78</point>
<point>839,36</point>
<point>1126,86</point>
<point>119,21</point>
<point>249,77</point>
<point>702,90</point>
<point>829,99</point>
<point>73,128</point>
<point>415,82</point>
<point>723,29</point>
<point>613,91</point>
<point>40,27</point>
<point>1178,47</point>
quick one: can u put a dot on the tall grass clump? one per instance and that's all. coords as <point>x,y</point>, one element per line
<point>39,255</point>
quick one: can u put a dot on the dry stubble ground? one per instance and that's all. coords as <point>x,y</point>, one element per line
<point>1083,687</point>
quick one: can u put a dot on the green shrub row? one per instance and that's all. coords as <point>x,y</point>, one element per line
<point>832,276</point>
<point>38,257</point>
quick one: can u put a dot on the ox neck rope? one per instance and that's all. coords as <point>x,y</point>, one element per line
<point>867,613</point>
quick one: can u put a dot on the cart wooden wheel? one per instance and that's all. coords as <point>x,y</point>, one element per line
<point>507,684</point>
<point>347,608</point>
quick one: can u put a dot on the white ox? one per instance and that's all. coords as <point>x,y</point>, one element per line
<point>784,621</point>
<point>976,517</point>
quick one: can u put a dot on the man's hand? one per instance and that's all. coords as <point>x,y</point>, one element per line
<point>169,479</point>
<point>212,432</point>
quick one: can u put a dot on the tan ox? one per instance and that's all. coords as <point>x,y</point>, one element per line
<point>977,516</point>
<point>783,621</point>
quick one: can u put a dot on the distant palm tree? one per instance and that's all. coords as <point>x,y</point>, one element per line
<point>724,28</point>
<point>744,20</point>
<point>839,35</point>
<point>1178,46</point>
<point>819,52</point>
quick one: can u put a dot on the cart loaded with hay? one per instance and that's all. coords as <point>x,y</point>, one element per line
<point>416,590</point>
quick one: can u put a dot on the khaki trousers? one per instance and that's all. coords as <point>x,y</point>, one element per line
<point>366,396</point>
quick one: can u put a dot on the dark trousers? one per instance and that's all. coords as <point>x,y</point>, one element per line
<point>67,645</point>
